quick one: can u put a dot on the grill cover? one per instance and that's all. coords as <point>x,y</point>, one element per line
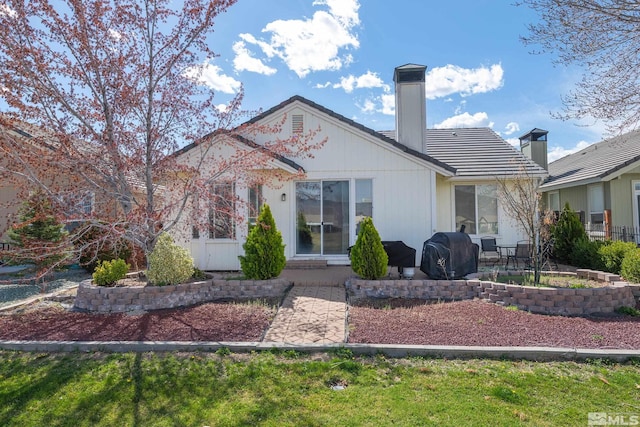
<point>400,255</point>
<point>449,256</point>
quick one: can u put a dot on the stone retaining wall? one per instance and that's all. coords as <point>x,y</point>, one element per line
<point>560,301</point>
<point>134,298</point>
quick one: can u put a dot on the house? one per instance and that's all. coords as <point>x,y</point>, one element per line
<point>412,181</point>
<point>28,155</point>
<point>602,183</point>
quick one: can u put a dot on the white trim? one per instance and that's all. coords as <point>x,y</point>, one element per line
<point>636,209</point>
<point>434,203</point>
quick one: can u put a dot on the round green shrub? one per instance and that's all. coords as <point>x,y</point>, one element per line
<point>630,268</point>
<point>107,273</point>
<point>263,251</point>
<point>368,257</point>
<point>613,254</point>
<point>169,264</point>
<point>566,232</point>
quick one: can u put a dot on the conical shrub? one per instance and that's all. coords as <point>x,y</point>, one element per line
<point>368,257</point>
<point>263,251</point>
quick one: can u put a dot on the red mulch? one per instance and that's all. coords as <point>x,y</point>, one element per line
<point>478,323</point>
<point>206,322</point>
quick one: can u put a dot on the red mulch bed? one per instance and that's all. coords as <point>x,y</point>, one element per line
<point>206,322</point>
<point>479,323</point>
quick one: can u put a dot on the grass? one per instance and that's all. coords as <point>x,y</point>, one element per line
<point>269,389</point>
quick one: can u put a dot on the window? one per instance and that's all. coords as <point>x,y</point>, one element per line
<point>476,207</point>
<point>222,211</point>
<point>78,204</point>
<point>364,200</point>
<point>255,203</point>
<point>554,201</point>
<point>596,204</point>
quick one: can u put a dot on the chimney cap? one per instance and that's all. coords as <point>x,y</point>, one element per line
<point>409,73</point>
<point>534,134</point>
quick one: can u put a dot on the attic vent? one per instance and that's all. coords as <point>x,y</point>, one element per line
<point>297,123</point>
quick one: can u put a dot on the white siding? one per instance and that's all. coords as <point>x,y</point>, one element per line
<point>401,183</point>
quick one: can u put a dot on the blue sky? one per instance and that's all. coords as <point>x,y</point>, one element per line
<point>341,54</point>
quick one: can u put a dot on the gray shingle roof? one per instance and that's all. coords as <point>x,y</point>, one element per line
<point>595,162</point>
<point>477,152</point>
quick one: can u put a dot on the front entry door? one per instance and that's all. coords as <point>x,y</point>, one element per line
<point>322,217</point>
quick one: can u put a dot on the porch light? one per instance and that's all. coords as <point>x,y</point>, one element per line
<point>283,197</point>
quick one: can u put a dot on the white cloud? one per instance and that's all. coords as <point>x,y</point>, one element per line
<point>6,10</point>
<point>322,85</point>
<point>115,35</point>
<point>222,107</point>
<point>558,152</point>
<point>212,76</point>
<point>367,80</point>
<point>511,127</point>
<point>313,44</point>
<point>450,79</point>
<point>369,106</point>
<point>244,61</point>
<point>388,104</point>
<point>465,120</point>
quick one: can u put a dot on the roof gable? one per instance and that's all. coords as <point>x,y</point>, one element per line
<point>596,162</point>
<point>378,135</point>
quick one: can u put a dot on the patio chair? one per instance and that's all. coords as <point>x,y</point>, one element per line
<point>522,253</point>
<point>490,250</point>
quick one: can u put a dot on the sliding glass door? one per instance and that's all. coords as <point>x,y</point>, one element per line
<point>322,217</point>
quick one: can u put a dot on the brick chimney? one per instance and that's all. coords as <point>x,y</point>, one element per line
<point>411,108</point>
<point>533,145</point>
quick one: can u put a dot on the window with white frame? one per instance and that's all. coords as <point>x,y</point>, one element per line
<point>222,211</point>
<point>255,203</point>
<point>364,201</point>
<point>79,204</point>
<point>554,201</point>
<point>596,205</point>
<point>476,207</point>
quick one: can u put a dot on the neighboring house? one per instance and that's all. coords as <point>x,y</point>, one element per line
<point>14,186</point>
<point>602,183</point>
<point>412,181</point>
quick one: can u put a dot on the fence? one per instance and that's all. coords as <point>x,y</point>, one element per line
<point>624,233</point>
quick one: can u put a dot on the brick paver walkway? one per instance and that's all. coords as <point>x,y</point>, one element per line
<point>310,314</point>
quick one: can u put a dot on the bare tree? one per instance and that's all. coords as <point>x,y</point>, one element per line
<point>521,201</point>
<point>101,93</point>
<point>603,36</point>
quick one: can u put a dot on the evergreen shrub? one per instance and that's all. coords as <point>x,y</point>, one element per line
<point>38,237</point>
<point>107,273</point>
<point>368,257</point>
<point>566,232</point>
<point>169,264</point>
<point>585,254</point>
<point>263,251</point>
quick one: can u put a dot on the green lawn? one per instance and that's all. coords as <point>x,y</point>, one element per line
<point>288,389</point>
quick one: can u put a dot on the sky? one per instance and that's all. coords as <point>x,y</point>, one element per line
<point>342,53</point>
